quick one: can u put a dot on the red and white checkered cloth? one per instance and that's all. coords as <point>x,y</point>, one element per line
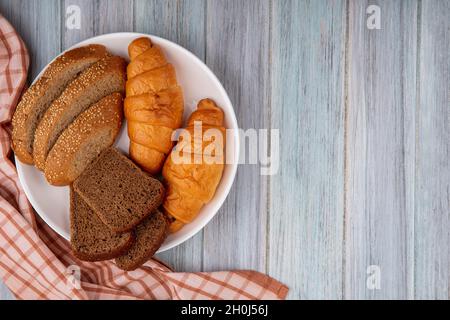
<point>36,263</point>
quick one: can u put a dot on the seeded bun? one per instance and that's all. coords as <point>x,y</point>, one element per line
<point>99,80</point>
<point>41,94</point>
<point>81,143</point>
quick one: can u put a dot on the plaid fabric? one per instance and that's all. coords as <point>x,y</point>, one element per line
<point>36,263</point>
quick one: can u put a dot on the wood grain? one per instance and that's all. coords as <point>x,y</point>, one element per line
<point>379,155</point>
<point>114,16</point>
<point>98,17</point>
<point>35,21</point>
<point>237,51</point>
<point>432,185</point>
<point>306,197</point>
<point>88,22</point>
<point>183,23</point>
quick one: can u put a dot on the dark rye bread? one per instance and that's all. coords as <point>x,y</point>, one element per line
<point>90,238</point>
<point>99,80</point>
<point>47,88</point>
<point>150,234</point>
<point>119,192</point>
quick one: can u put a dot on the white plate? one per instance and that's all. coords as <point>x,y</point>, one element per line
<point>198,82</point>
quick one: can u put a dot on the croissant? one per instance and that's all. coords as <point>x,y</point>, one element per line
<point>153,105</point>
<point>191,184</point>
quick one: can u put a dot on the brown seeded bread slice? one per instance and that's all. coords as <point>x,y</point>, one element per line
<point>90,238</point>
<point>150,234</point>
<point>119,192</point>
<point>41,94</point>
<point>99,80</point>
<point>84,139</point>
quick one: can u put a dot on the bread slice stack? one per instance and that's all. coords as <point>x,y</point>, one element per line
<point>120,193</point>
<point>75,107</point>
<point>90,238</point>
<point>114,212</point>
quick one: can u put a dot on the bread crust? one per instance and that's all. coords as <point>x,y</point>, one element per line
<point>123,263</point>
<point>147,158</point>
<point>191,185</point>
<point>153,104</point>
<point>105,114</point>
<point>32,104</point>
<point>105,256</point>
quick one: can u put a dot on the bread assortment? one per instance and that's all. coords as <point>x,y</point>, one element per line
<point>90,238</point>
<point>67,122</point>
<point>153,105</point>
<point>114,212</point>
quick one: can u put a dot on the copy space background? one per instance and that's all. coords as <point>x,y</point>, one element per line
<point>364,123</point>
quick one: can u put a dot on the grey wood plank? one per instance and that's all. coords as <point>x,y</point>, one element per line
<point>380,151</point>
<point>99,17</point>
<point>183,23</point>
<point>158,17</point>
<point>306,196</point>
<point>35,21</point>
<point>114,16</point>
<point>237,51</point>
<point>432,187</point>
<point>39,26</point>
<point>87,15</point>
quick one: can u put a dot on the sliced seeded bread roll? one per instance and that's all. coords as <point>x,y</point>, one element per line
<point>90,238</point>
<point>99,80</point>
<point>92,132</point>
<point>150,234</point>
<point>41,94</point>
<point>120,193</point>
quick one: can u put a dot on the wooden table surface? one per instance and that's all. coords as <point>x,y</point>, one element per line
<point>363,188</point>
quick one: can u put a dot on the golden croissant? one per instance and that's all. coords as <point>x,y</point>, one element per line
<point>153,105</point>
<point>191,184</point>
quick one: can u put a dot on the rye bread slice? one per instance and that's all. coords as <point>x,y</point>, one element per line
<point>118,191</point>
<point>150,234</point>
<point>90,238</point>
